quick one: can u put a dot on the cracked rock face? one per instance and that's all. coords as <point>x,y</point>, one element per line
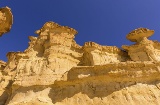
<point>55,70</point>
<point>6,20</point>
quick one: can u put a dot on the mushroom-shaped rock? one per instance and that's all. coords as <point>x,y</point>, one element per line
<point>144,49</point>
<point>6,20</point>
<point>138,34</point>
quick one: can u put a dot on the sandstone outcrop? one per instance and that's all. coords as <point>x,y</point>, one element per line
<point>95,54</point>
<point>6,20</point>
<point>55,70</point>
<point>143,49</point>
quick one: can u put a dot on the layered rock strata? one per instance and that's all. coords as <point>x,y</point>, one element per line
<point>95,54</point>
<point>55,70</point>
<point>143,49</point>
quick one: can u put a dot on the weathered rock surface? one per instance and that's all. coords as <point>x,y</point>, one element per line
<point>6,20</point>
<point>55,70</point>
<point>95,54</point>
<point>143,49</point>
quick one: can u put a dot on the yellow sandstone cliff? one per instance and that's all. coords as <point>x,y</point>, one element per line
<point>55,70</point>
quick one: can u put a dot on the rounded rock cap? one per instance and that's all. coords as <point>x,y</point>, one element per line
<point>138,34</point>
<point>6,20</point>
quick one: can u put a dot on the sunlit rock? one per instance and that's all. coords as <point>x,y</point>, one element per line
<point>6,20</point>
<point>144,49</point>
<point>55,70</point>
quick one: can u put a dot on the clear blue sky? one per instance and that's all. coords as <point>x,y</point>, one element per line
<point>103,21</point>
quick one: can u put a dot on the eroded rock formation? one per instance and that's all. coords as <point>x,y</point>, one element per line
<point>143,49</point>
<point>6,20</point>
<point>55,70</point>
